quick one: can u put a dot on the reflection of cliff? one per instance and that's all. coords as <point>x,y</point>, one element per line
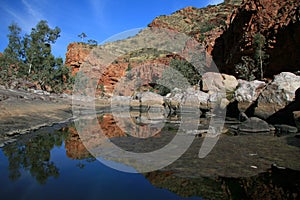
<point>109,126</point>
<point>186,187</point>
<point>273,184</point>
<point>75,149</point>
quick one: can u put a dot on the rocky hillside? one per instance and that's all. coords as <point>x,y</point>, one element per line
<point>204,24</point>
<point>226,31</point>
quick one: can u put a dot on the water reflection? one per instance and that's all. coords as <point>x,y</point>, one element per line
<point>274,184</point>
<point>188,177</point>
<point>34,156</point>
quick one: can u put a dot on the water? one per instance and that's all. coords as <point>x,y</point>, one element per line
<point>46,167</point>
<point>55,164</point>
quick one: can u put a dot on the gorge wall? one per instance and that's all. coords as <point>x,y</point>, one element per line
<point>226,31</point>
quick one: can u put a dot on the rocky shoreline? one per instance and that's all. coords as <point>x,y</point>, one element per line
<point>257,107</point>
<point>23,112</point>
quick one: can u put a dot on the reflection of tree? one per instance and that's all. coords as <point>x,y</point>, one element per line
<point>34,156</point>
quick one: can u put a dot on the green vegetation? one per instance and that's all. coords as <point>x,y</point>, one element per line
<point>207,26</point>
<point>181,74</point>
<point>92,42</point>
<point>252,67</point>
<point>29,58</point>
<point>82,36</point>
<point>246,69</point>
<point>260,54</point>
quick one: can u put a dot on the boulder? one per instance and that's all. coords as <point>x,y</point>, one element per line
<point>151,99</point>
<point>277,95</point>
<point>216,82</point>
<point>120,103</point>
<point>254,125</point>
<point>218,100</point>
<point>212,82</point>
<point>189,98</point>
<point>247,93</point>
<point>230,82</point>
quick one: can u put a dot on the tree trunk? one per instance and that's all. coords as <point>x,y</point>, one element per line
<point>29,71</point>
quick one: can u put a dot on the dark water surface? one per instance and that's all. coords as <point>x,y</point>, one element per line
<point>54,166</point>
<point>53,163</point>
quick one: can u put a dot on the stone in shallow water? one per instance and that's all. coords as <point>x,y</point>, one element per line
<point>282,129</point>
<point>254,125</point>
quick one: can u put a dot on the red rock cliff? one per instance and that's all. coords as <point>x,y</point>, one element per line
<point>76,55</point>
<point>277,20</point>
<point>226,31</point>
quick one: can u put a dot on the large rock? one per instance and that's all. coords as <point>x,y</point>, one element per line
<point>218,100</point>
<point>151,99</point>
<point>230,82</point>
<point>188,98</point>
<point>277,95</point>
<point>254,125</point>
<point>216,82</point>
<point>247,93</point>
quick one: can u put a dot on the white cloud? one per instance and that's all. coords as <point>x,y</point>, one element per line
<point>215,2</point>
<point>20,19</point>
<point>32,10</point>
<point>99,13</point>
<point>28,15</point>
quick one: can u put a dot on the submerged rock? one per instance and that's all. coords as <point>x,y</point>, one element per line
<point>282,129</point>
<point>254,125</point>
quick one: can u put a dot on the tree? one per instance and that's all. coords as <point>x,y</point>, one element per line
<point>246,69</point>
<point>37,47</point>
<point>260,53</point>
<point>92,42</point>
<point>181,74</point>
<point>29,57</point>
<point>11,61</point>
<point>82,36</point>
<point>14,48</point>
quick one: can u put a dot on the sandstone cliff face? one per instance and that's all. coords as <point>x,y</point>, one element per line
<point>76,55</point>
<point>277,20</point>
<point>226,32</point>
<point>205,24</point>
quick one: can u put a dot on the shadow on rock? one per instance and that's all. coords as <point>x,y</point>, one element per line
<point>287,115</point>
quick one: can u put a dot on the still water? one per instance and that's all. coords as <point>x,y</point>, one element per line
<point>53,163</point>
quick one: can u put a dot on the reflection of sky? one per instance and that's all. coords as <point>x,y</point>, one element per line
<point>93,181</point>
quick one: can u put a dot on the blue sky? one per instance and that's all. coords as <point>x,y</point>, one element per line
<point>98,19</point>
